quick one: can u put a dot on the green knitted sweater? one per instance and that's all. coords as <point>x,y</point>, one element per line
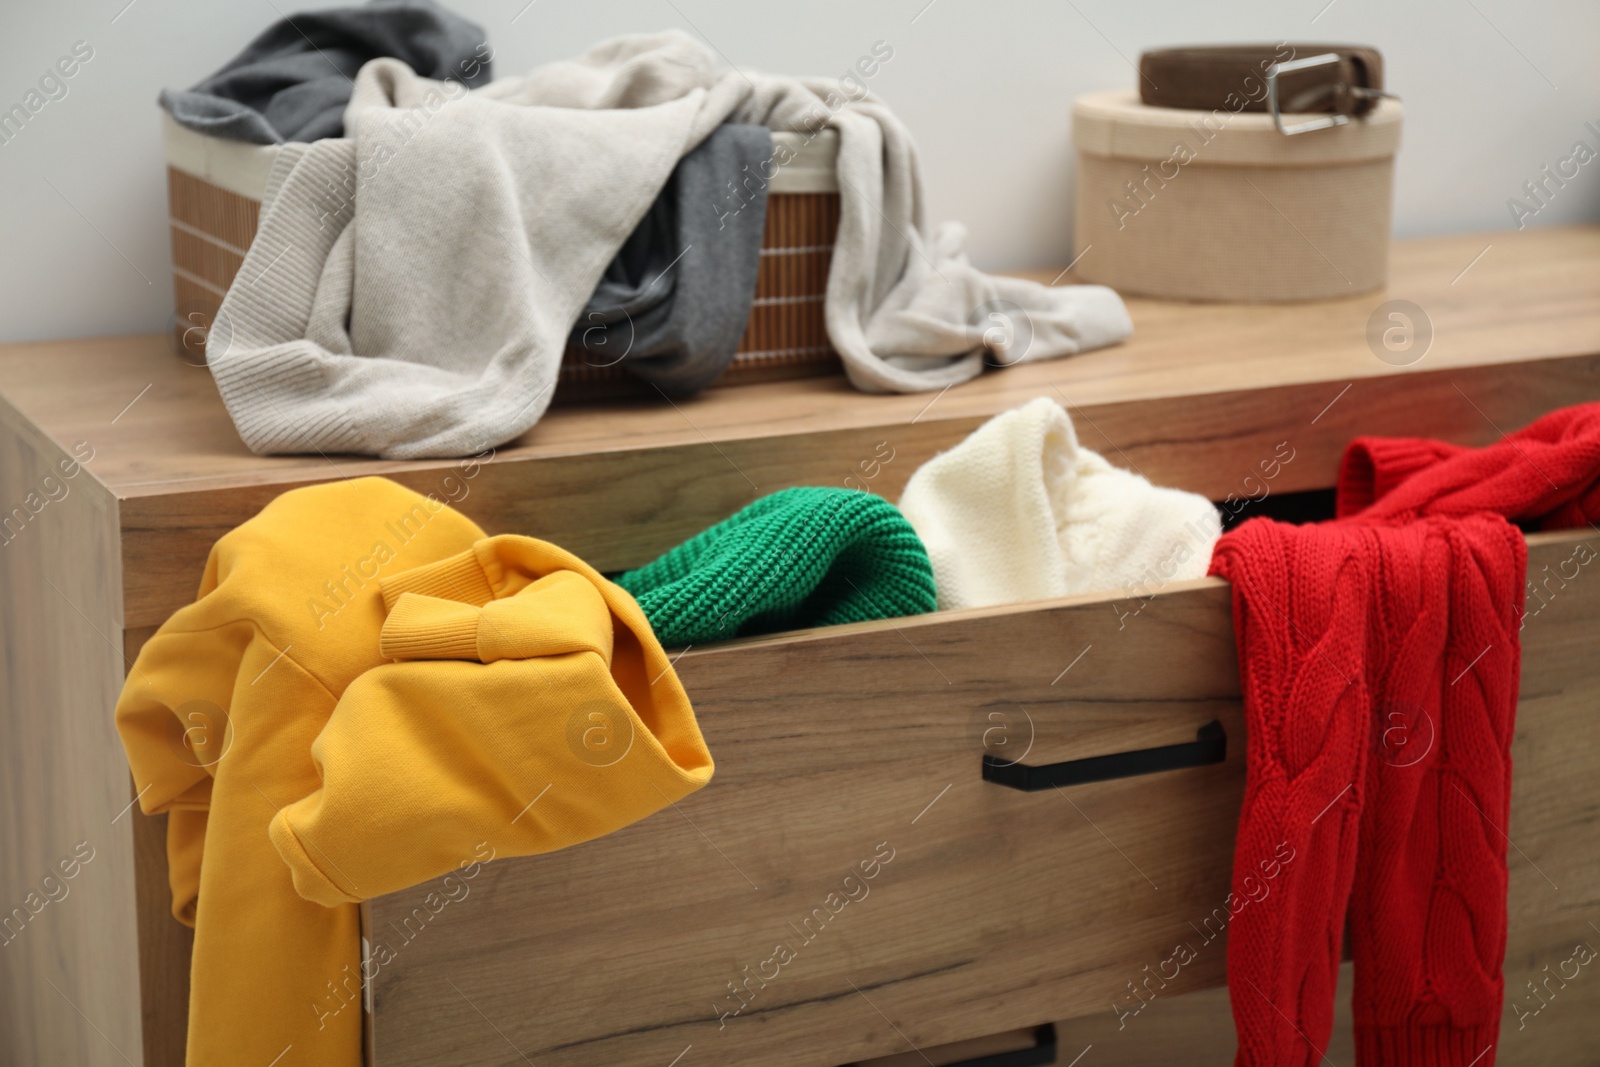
<point>800,557</point>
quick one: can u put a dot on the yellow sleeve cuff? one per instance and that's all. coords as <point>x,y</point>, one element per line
<point>426,627</point>
<point>459,577</point>
<point>310,881</point>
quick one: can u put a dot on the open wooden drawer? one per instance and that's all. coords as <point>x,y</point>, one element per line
<point>848,885</point>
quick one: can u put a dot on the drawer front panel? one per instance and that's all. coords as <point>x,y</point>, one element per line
<point>994,908</point>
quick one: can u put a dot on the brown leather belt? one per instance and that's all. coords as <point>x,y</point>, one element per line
<point>1340,81</point>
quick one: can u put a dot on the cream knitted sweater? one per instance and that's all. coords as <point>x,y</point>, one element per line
<point>1019,511</point>
<point>411,287</point>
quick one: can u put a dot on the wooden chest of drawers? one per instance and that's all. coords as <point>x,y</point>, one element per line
<point>839,751</point>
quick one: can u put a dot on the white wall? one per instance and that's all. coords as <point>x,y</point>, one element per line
<point>1494,90</point>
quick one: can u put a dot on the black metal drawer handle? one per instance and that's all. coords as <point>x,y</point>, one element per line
<point>1209,746</point>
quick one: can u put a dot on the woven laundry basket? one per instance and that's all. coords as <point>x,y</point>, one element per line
<point>214,190</point>
<point>1215,205</point>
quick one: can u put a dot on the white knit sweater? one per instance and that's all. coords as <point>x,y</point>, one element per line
<point>421,309</point>
<point>1019,511</point>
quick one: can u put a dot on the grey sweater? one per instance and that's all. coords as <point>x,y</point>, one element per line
<point>411,288</point>
<point>292,82</point>
<point>673,304</point>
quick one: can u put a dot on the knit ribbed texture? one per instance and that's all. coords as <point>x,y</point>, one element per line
<point>1380,662</point>
<point>1426,1046</point>
<point>1546,475</point>
<point>1430,892</point>
<point>797,558</point>
<point>425,627</point>
<point>1374,466</point>
<point>296,244</point>
<point>459,577</point>
<point>1379,672</point>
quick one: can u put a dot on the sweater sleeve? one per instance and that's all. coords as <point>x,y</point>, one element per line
<point>278,350</point>
<point>1543,475</point>
<point>1374,466</point>
<point>174,726</point>
<point>1300,621</point>
<point>529,708</point>
<point>1428,929</point>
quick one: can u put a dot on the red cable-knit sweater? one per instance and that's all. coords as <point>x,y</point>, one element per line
<point>1546,475</point>
<point>1379,658</point>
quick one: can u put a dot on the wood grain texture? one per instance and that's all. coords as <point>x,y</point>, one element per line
<point>1534,296</point>
<point>999,910</point>
<point>957,1052</point>
<point>165,947</point>
<point>69,965</point>
<point>1198,398</point>
<point>1194,1029</point>
<point>828,744</point>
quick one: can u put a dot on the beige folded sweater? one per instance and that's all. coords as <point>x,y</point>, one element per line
<point>411,287</point>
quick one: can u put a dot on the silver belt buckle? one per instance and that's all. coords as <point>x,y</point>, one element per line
<point>1321,122</point>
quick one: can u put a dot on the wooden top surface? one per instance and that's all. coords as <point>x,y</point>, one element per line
<point>157,424</point>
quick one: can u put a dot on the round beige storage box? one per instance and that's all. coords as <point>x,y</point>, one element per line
<point>1216,205</point>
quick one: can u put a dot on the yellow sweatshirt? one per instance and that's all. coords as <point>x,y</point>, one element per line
<point>367,694</point>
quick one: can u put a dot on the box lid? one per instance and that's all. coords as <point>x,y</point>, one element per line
<point>1115,123</point>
